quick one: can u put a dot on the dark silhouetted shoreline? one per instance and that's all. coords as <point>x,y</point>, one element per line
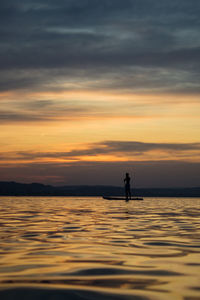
<point>37,189</point>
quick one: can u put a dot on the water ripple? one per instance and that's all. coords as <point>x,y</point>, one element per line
<point>85,248</point>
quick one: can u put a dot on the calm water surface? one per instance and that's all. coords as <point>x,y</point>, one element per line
<point>89,248</point>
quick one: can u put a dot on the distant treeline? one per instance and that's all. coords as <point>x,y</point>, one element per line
<point>37,189</point>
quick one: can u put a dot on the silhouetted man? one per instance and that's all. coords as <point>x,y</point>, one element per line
<point>127,180</point>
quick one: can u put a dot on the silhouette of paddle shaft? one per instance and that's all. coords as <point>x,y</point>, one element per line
<point>127,180</point>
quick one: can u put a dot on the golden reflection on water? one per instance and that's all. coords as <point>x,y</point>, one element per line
<point>111,249</point>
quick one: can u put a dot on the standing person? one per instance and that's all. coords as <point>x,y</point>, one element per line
<point>127,180</point>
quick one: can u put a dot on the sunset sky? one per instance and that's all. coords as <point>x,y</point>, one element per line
<point>91,89</point>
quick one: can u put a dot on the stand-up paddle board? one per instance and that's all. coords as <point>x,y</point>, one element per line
<point>121,198</point>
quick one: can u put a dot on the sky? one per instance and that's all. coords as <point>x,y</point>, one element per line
<point>91,89</point>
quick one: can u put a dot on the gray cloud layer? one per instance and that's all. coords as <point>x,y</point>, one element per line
<point>117,42</point>
<point>143,174</point>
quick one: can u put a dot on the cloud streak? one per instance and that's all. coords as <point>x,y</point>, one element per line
<point>124,149</point>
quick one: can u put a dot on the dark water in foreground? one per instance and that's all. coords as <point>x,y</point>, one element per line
<point>89,248</point>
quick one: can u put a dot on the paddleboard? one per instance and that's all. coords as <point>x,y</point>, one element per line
<point>121,198</point>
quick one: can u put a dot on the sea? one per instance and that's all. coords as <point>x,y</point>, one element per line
<point>88,248</point>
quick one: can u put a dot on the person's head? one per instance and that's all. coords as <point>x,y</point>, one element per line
<point>127,174</point>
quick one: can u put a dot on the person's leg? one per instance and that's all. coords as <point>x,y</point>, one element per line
<point>126,193</point>
<point>129,193</point>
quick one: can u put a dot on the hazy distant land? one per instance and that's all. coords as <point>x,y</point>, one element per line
<point>37,189</point>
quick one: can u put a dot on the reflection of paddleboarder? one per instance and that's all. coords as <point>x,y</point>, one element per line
<point>127,180</point>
